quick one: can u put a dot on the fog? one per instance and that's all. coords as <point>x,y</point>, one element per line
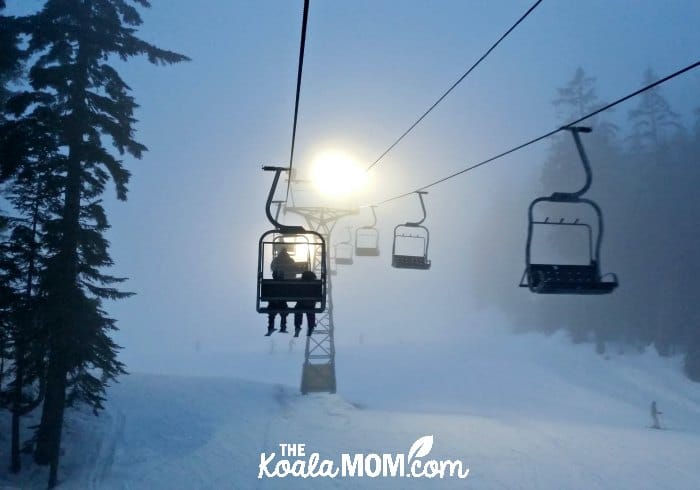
<point>187,236</point>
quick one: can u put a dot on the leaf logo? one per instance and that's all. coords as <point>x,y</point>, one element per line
<point>421,447</point>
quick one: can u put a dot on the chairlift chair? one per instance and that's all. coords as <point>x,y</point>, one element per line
<point>546,278</point>
<point>416,233</point>
<point>344,251</point>
<point>306,251</point>
<point>367,239</point>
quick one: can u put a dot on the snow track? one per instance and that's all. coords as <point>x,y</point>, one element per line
<point>106,451</point>
<point>521,412</point>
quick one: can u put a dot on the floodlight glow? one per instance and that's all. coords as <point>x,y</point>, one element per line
<point>335,173</point>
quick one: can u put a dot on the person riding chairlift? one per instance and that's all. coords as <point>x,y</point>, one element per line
<point>282,266</point>
<point>305,305</point>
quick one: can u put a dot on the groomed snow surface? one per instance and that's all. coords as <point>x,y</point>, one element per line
<point>521,411</point>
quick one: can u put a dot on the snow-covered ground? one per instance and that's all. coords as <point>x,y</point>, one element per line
<point>522,411</point>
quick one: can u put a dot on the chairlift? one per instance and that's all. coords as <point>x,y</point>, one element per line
<point>367,239</point>
<point>569,278</point>
<point>291,265</point>
<point>415,236</point>
<point>344,250</point>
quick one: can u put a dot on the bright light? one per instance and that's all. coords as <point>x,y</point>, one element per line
<point>335,173</point>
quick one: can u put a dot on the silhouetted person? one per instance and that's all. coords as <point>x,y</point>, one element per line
<point>655,416</point>
<point>282,266</point>
<point>305,305</point>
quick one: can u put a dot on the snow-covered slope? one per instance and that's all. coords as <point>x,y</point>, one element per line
<point>521,411</point>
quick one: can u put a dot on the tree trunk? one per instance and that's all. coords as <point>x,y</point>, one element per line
<point>15,460</point>
<point>57,429</point>
<point>51,415</point>
<point>64,302</point>
<point>28,322</point>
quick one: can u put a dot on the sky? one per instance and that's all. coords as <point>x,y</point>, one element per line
<point>187,236</point>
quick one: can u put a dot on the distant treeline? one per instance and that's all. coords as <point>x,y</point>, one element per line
<point>647,181</point>
<point>66,121</point>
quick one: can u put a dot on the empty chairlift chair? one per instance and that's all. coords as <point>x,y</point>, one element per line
<point>344,251</point>
<point>411,241</point>
<point>286,255</point>
<point>367,239</point>
<point>332,269</point>
<point>568,278</point>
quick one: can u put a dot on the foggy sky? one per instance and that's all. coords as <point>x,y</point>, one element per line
<point>187,235</point>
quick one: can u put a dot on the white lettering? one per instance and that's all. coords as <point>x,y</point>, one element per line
<point>453,465</point>
<point>431,469</point>
<point>393,467</point>
<point>327,469</point>
<point>263,465</point>
<point>313,462</point>
<point>371,459</point>
<point>350,468</point>
<point>282,468</point>
<point>372,465</point>
<point>298,468</point>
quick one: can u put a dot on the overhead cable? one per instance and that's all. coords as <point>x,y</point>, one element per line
<point>454,85</point>
<point>547,135</point>
<point>302,44</point>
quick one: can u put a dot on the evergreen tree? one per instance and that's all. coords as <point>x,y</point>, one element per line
<point>79,101</point>
<point>562,172</point>
<point>579,98</point>
<point>691,363</point>
<point>653,121</point>
<point>35,197</point>
<point>576,99</point>
<point>11,62</point>
<point>11,59</point>
<point>10,54</point>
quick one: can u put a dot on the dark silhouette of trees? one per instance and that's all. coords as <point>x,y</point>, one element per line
<point>61,142</point>
<point>647,193</point>
<point>653,121</point>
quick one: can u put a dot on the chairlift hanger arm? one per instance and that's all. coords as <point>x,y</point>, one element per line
<point>573,196</point>
<point>374,216</point>
<point>270,198</point>
<point>279,208</point>
<point>422,205</point>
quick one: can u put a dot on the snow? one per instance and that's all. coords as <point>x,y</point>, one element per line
<point>522,411</point>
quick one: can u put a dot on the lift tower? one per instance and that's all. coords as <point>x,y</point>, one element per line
<point>318,372</point>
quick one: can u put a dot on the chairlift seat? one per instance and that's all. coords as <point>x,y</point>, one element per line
<point>567,279</point>
<point>296,290</point>
<point>367,251</point>
<point>409,262</point>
